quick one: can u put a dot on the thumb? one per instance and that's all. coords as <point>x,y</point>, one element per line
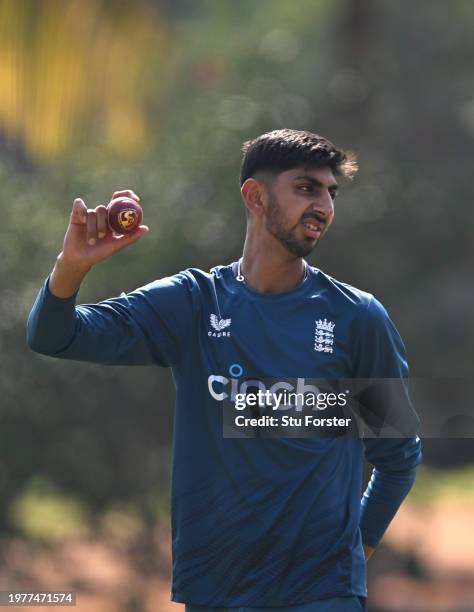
<point>79,212</point>
<point>123,241</point>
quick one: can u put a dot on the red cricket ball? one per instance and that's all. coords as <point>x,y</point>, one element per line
<point>124,215</point>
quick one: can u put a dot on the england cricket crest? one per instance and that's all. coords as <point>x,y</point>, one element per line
<point>324,336</point>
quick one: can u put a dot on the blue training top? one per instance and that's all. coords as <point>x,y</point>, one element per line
<point>255,521</point>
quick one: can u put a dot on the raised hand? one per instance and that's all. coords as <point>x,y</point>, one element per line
<point>88,238</point>
<point>88,241</point>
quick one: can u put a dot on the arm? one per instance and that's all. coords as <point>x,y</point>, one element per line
<point>381,354</point>
<point>393,475</point>
<point>135,328</point>
<point>142,327</point>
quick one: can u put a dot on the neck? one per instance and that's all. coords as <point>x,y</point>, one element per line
<point>271,272</point>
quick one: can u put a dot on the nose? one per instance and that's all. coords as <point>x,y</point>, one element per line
<point>323,205</point>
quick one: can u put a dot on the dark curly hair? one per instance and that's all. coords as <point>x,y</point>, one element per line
<point>281,150</point>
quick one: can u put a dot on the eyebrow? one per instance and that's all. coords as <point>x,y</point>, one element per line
<point>314,181</point>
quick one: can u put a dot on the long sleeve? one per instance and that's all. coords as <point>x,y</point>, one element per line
<point>145,326</point>
<point>381,355</point>
<point>393,476</point>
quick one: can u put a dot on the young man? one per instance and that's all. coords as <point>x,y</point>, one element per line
<point>257,523</point>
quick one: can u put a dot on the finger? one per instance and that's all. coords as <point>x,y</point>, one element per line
<point>78,212</point>
<point>127,193</point>
<point>101,221</point>
<point>91,227</point>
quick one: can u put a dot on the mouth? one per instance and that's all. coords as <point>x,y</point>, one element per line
<point>312,230</point>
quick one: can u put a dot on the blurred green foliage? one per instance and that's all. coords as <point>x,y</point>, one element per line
<point>41,512</point>
<point>158,97</point>
<point>438,485</point>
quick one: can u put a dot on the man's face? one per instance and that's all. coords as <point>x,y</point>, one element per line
<point>300,207</point>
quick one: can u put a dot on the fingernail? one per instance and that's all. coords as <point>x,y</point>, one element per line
<point>101,234</point>
<point>92,241</point>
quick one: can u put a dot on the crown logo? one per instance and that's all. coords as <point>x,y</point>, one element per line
<point>325,325</point>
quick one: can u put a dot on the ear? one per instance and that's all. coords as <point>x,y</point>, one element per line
<point>252,194</point>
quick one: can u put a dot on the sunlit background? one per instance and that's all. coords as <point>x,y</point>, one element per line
<point>157,96</point>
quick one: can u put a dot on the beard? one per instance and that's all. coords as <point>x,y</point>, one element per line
<point>275,224</point>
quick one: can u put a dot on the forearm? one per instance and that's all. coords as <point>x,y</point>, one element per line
<point>65,278</point>
<point>394,461</point>
<point>51,322</point>
<point>380,502</point>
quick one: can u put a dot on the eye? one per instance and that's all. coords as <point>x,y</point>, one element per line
<point>333,194</point>
<point>306,188</point>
